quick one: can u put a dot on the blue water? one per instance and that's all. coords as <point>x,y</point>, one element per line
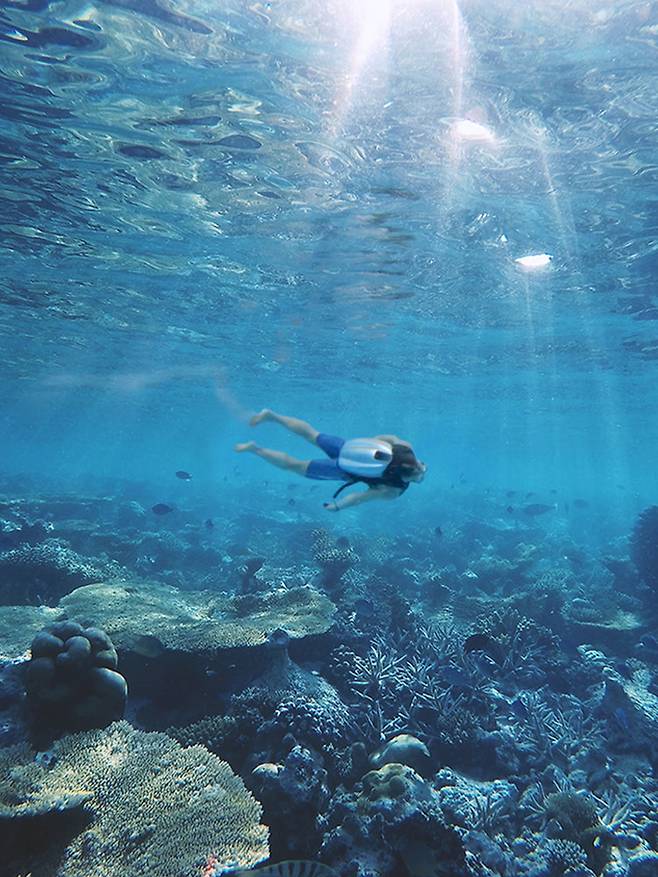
<point>211,207</point>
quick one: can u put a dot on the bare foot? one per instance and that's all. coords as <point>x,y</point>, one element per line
<point>260,417</point>
<point>244,446</point>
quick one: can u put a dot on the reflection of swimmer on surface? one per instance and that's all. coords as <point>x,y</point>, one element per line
<point>386,463</point>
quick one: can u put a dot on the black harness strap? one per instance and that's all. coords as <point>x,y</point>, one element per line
<point>347,484</point>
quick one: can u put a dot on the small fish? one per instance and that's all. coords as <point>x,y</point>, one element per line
<point>537,508</point>
<point>438,532</point>
<point>510,494</point>
<point>580,504</point>
<point>529,494</point>
<point>209,525</point>
<point>342,542</point>
<point>649,641</point>
<point>161,508</point>
<point>183,475</point>
<point>291,501</point>
<point>510,510</point>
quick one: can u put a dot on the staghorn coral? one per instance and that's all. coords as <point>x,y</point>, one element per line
<point>151,616</point>
<point>37,574</point>
<point>155,807</point>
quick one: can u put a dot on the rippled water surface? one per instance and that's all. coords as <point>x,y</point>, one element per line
<point>322,204</point>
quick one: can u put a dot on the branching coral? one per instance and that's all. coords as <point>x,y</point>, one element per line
<point>558,729</point>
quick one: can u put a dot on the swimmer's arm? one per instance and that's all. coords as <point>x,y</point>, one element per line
<point>363,496</point>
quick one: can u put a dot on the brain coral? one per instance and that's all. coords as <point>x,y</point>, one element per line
<point>151,616</point>
<point>155,808</point>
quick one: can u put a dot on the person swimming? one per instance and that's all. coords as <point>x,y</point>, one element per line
<point>385,463</point>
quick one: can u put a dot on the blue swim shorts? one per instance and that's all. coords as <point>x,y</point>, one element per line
<point>328,470</point>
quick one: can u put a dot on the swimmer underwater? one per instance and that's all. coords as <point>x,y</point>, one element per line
<point>385,463</point>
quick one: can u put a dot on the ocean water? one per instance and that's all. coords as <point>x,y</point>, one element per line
<point>434,218</point>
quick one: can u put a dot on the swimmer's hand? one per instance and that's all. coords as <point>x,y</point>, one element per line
<point>331,506</point>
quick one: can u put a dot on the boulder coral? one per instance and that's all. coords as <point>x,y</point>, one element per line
<point>72,680</point>
<point>151,807</point>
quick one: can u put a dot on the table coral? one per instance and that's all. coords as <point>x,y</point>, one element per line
<point>148,615</point>
<point>155,808</point>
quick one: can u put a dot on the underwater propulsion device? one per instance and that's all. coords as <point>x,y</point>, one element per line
<point>365,457</point>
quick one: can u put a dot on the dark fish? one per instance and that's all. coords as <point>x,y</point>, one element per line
<point>510,494</point>
<point>291,501</point>
<point>209,524</point>
<point>529,494</point>
<point>510,510</point>
<point>438,532</point>
<point>537,508</point>
<point>342,542</point>
<point>148,646</point>
<point>292,868</point>
<point>519,708</point>
<point>161,508</point>
<point>482,642</point>
<point>183,475</point>
<point>580,504</point>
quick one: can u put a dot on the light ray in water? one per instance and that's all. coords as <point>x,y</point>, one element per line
<point>370,30</point>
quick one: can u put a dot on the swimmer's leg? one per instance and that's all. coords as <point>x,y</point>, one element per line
<point>293,424</point>
<point>274,458</point>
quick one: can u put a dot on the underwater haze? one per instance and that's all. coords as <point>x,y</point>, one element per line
<point>208,208</point>
<point>433,219</point>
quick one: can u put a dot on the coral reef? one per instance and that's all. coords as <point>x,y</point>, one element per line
<point>152,807</point>
<point>482,700</point>
<point>38,574</point>
<point>393,817</point>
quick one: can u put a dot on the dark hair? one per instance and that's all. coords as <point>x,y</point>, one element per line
<point>404,460</point>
